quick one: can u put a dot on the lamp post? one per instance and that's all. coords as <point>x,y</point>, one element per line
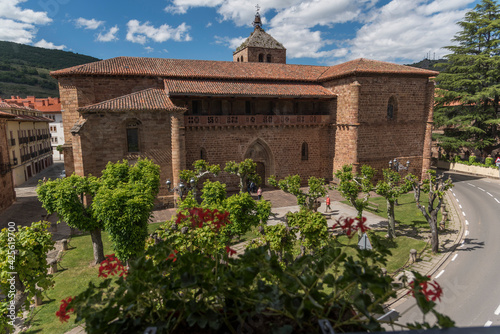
<point>397,166</point>
<point>181,190</point>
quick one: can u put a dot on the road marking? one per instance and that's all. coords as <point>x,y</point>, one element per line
<point>466,232</point>
<point>454,194</point>
<point>466,222</point>
<point>480,189</point>
<point>470,184</point>
<point>457,200</point>
<point>497,200</point>
<point>454,257</point>
<point>463,213</point>
<point>442,271</point>
<point>487,324</point>
<point>497,311</point>
<point>460,206</point>
<point>489,194</point>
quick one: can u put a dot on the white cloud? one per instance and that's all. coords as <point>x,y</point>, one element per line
<point>49,45</point>
<point>182,6</point>
<point>91,24</point>
<point>231,43</point>
<point>109,36</point>
<point>140,33</point>
<point>19,25</point>
<point>149,49</point>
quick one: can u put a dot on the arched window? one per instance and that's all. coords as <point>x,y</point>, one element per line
<point>261,58</point>
<point>268,58</point>
<point>133,135</point>
<point>238,59</point>
<point>392,108</point>
<point>203,154</point>
<point>305,151</point>
<point>241,58</point>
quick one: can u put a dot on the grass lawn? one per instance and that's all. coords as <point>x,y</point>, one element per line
<point>70,281</point>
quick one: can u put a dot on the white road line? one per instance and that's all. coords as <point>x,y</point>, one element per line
<point>467,233</point>
<point>488,323</point>
<point>480,189</point>
<point>442,271</point>
<point>457,200</point>
<point>454,194</point>
<point>463,213</point>
<point>466,222</point>
<point>461,246</point>
<point>454,257</point>
<point>497,200</point>
<point>489,194</point>
<point>497,311</point>
<point>460,206</point>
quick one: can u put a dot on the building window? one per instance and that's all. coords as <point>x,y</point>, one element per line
<point>248,107</point>
<point>195,106</point>
<point>261,58</point>
<point>268,58</point>
<point>133,136</point>
<point>203,154</point>
<point>391,108</point>
<point>305,151</point>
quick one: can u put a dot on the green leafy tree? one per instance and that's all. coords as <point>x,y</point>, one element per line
<point>200,169</point>
<point>60,149</point>
<point>391,188</point>
<point>23,265</point>
<point>469,87</point>
<point>71,198</point>
<point>435,187</point>
<point>312,227</point>
<point>245,170</point>
<point>306,200</point>
<point>352,185</point>
<point>124,203</point>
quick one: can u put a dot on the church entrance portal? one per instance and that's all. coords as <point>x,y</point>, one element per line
<point>260,153</point>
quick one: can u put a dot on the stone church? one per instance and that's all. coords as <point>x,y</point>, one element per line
<point>290,119</point>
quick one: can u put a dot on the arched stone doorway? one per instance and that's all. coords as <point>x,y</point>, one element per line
<point>260,153</point>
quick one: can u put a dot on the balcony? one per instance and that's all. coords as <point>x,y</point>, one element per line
<point>32,138</point>
<point>14,161</point>
<point>23,140</point>
<point>4,168</point>
<point>249,120</point>
<point>12,142</point>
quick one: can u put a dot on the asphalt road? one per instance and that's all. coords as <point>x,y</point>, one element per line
<point>470,280</point>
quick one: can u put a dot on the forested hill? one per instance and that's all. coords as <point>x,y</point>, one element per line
<point>429,64</point>
<point>24,69</point>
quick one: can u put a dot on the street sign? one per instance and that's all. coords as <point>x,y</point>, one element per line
<point>497,161</point>
<point>364,242</point>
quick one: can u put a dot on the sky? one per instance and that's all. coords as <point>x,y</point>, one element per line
<point>314,32</point>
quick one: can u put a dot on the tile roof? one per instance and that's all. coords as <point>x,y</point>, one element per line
<point>220,70</point>
<point>239,88</point>
<point>260,39</point>
<point>148,99</point>
<point>362,66</point>
<point>195,69</point>
<point>6,114</point>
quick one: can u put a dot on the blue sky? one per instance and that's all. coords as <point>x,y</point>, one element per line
<point>315,32</point>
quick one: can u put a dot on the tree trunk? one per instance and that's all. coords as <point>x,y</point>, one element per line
<point>434,229</point>
<point>21,294</point>
<point>97,246</point>
<point>391,226</point>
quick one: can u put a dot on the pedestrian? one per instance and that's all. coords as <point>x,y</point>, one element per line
<point>252,187</point>
<point>259,193</point>
<point>327,204</point>
<point>44,179</point>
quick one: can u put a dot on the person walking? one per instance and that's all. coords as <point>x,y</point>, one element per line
<point>328,208</point>
<point>259,193</point>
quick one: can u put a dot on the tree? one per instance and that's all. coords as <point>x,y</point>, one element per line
<point>71,198</point>
<point>200,169</point>
<point>124,203</point>
<point>469,87</point>
<point>23,268</point>
<point>306,200</point>
<point>391,188</point>
<point>245,170</point>
<point>435,186</point>
<point>352,185</point>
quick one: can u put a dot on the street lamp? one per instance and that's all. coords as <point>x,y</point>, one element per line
<point>397,166</point>
<point>182,189</point>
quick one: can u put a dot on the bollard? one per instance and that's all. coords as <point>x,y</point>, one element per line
<point>442,225</point>
<point>53,266</point>
<point>64,243</point>
<point>413,255</point>
<point>38,298</point>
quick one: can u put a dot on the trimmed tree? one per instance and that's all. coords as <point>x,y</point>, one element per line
<point>124,203</point>
<point>306,200</point>
<point>435,187</point>
<point>245,170</point>
<point>352,185</point>
<point>469,87</point>
<point>391,188</point>
<point>23,265</point>
<point>71,198</point>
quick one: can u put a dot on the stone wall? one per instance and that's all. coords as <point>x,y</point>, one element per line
<point>251,55</point>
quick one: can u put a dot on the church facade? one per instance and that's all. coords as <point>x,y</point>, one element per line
<point>290,119</point>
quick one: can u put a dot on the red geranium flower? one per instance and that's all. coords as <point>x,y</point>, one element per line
<point>431,290</point>
<point>230,251</point>
<point>172,256</point>
<point>111,266</point>
<point>62,314</point>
